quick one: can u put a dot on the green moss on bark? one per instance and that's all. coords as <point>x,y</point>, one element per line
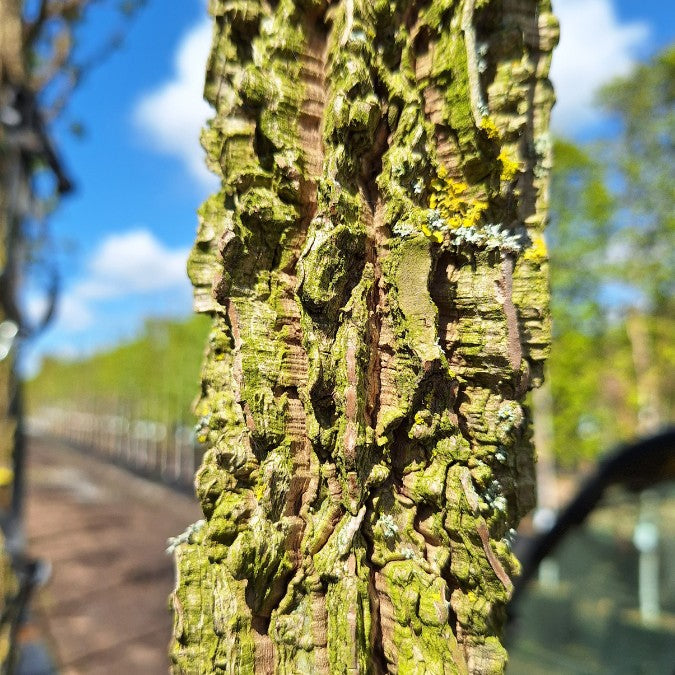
<point>361,398</point>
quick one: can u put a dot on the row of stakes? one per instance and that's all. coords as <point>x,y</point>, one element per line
<point>169,452</point>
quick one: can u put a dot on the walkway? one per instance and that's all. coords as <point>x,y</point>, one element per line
<point>104,530</point>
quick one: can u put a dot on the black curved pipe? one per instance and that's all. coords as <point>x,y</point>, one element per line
<point>636,466</point>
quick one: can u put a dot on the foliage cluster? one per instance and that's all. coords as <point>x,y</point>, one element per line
<point>154,376</point>
<point>610,240</point>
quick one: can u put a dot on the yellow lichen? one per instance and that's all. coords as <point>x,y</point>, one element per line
<point>449,198</point>
<point>6,476</point>
<point>510,166</point>
<point>538,251</point>
<point>488,125</point>
<point>259,491</point>
<point>436,235</point>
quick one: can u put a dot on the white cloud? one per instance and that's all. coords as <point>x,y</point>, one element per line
<point>173,114</point>
<point>132,263</point>
<point>594,48</point>
<point>75,314</point>
<point>35,307</point>
<point>71,311</point>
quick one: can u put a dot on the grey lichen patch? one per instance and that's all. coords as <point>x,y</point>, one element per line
<point>375,266</point>
<point>388,526</point>
<point>491,237</point>
<point>185,537</point>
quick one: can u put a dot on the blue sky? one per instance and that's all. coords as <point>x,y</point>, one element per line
<point>123,237</point>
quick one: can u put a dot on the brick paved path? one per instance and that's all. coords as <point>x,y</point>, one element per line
<point>105,610</point>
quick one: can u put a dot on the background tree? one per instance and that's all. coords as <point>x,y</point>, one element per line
<point>38,71</point>
<point>24,146</point>
<point>644,161</point>
<point>153,375</point>
<point>611,270</point>
<point>580,365</point>
<point>376,272</point>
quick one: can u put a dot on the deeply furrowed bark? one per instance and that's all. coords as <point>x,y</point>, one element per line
<point>375,267</point>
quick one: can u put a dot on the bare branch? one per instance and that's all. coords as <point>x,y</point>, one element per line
<point>61,45</point>
<point>64,9</point>
<point>32,28</point>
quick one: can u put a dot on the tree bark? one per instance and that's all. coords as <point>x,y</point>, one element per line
<point>375,267</point>
<point>646,374</point>
<point>12,192</point>
<point>12,72</point>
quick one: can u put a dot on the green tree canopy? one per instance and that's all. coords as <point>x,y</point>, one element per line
<point>611,255</point>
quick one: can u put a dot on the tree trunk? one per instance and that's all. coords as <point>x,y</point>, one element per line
<point>375,267</point>
<point>646,374</point>
<point>12,197</point>
<point>11,191</point>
